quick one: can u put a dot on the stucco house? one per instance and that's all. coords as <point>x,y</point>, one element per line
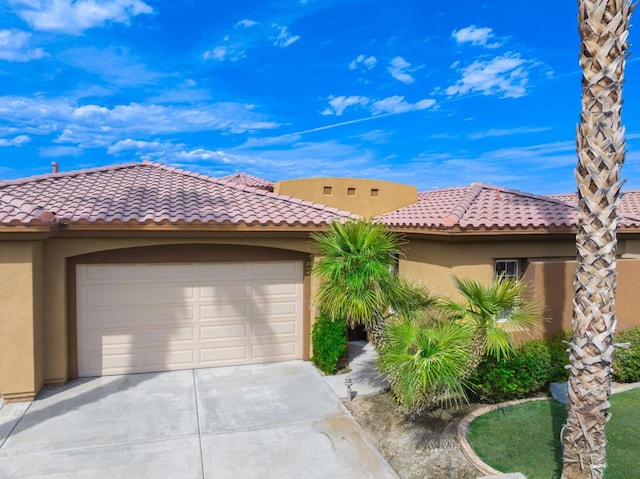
<point>144,267</point>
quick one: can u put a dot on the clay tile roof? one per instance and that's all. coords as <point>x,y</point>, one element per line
<point>248,180</point>
<point>629,203</point>
<point>150,193</point>
<point>481,206</point>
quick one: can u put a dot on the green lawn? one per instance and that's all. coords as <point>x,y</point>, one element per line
<point>525,438</point>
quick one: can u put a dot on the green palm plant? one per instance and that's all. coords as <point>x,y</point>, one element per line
<point>356,268</point>
<point>494,311</point>
<point>425,360</point>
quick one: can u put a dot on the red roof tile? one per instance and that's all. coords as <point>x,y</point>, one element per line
<point>480,206</point>
<point>248,180</point>
<point>151,193</point>
<point>629,203</point>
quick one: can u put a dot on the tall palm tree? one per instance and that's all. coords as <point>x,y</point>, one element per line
<point>604,27</point>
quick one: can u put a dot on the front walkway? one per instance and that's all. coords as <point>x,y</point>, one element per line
<point>363,372</point>
<point>275,420</point>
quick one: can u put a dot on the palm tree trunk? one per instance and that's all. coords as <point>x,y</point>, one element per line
<point>604,27</point>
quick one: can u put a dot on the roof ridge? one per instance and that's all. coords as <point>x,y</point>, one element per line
<point>243,174</point>
<point>574,205</point>
<point>72,173</point>
<point>463,205</point>
<point>526,194</point>
<point>252,189</point>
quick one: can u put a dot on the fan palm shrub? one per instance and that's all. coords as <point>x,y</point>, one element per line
<point>425,359</point>
<point>356,269</point>
<point>494,311</point>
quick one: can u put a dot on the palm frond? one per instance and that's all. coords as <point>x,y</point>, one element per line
<point>425,361</point>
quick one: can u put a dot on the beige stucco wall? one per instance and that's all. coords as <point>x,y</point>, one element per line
<point>553,282</point>
<point>33,325</point>
<point>21,325</point>
<point>548,267</point>
<point>369,198</point>
<point>434,262</point>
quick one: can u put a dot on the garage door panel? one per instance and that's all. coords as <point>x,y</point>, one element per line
<point>97,339</point>
<point>276,309</point>
<point>135,294</point>
<point>276,269</point>
<point>115,363</point>
<point>162,336</point>
<point>222,271</point>
<point>225,291</point>
<point>274,328</point>
<point>273,288</point>
<point>130,316</point>
<point>186,316</point>
<point>224,311</point>
<point>224,331</point>
<point>151,273</point>
<point>224,354</point>
<point>163,360</point>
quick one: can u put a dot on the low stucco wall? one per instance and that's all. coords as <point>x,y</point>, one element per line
<point>553,283</point>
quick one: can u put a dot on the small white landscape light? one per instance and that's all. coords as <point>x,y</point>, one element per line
<point>348,382</point>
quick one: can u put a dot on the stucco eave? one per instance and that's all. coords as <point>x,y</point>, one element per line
<point>458,233</point>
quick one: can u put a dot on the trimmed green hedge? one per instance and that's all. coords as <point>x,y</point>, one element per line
<point>626,361</point>
<point>530,369</point>
<point>329,343</point>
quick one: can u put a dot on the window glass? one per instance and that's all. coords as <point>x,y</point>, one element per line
<point>509,268</point>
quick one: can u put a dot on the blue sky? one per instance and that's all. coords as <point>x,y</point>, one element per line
<point>432,94</point>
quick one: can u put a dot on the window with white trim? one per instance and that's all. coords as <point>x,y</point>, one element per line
<point>507,268</point>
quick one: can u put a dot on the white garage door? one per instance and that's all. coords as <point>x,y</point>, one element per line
<point>156,317</point>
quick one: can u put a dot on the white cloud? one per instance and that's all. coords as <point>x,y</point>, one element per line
<point>115,65</point>
<point>246,23</point>
<point>16,141</point>
<point>96,125</point>
<point>165,150</point>
<point>397,104</point>
<point>365,62</point>
<point>399,69</point>
<point>222,53</point>
<point>14,47</point>
<point>141,146</point>
<point>284,38</point>
<point>390,105</point>
<point>504,75</point>
<point>76,16</point>
<point>337,104</point>
<point>497,132</point>
<point>476,36</point>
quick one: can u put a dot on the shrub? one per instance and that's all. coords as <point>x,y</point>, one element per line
<point>558,346</point>
<point>528,370</point>
<point>626,361</point>
<point>329,343</point>
<point>425,361</point>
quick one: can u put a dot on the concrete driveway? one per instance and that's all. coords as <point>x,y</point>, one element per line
<point>277,420</point>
